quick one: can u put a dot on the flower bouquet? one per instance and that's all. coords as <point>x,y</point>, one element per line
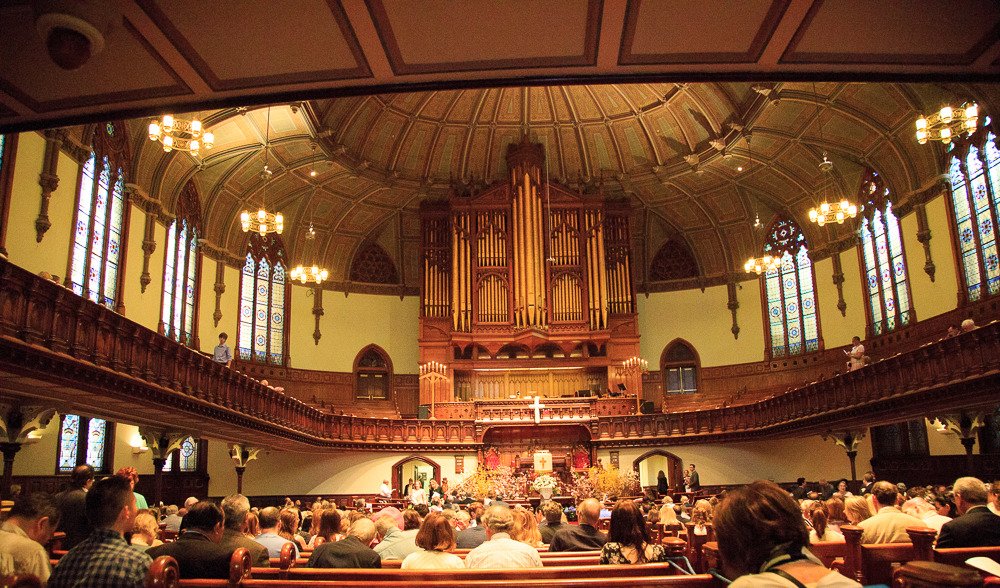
<point>545,485</point>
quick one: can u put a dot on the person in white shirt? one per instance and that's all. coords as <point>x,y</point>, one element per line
<point>29,526</point>
<point>417,493</point>
<point>499,551</point>
<point>923,510</point>
<point>385,490</point>
<point>435,539</point>
<point>856,356</point>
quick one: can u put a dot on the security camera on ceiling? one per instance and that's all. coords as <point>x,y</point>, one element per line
<point>74,30</point>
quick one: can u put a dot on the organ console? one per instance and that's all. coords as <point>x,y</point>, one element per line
<point>526,275</point>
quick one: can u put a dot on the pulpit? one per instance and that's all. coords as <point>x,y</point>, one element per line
<point>543,461</point>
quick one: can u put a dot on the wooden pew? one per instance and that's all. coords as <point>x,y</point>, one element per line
<point>379,576</point>
<point>928,574</point>
<point>20,581</point>
<point>873,564</point>
<point>956,556</point>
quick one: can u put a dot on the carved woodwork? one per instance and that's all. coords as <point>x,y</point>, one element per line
<point>525,270</point>
<point>733,305</point>
<point>7,156</point>
<point>838,281</point>
<point>48,179</point>
<point>220,289</point>
<point>924,238</point>
<point>317,311</point>
<point>112,367</point>
<point>148,247</point>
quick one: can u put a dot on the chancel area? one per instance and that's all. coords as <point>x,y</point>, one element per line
<point>379,252</point>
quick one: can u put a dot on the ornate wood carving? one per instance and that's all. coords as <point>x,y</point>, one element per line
<point>220,289</point>
<point>374,266</point>
<point>48,179</point>
<point>148,247</point>
<point>924,237</point>
<point>673,261</point>
<point>838,281</point>
<point>733,305</point>
<point>317,311</point>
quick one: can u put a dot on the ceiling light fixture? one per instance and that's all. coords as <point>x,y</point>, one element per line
<point>829,212</point>
<point>180,134</point>
<point>313,273</point>
<point>262,221</point>
<point>947,123</point>
<point>762,263</point>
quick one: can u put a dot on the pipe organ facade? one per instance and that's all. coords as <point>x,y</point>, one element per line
<point>526,275</point>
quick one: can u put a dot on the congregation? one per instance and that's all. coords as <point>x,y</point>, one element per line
<point>762,529</point>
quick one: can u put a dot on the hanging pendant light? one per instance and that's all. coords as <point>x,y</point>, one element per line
<point>263,221</point>
<point>765,262</point>
<point>826,211</point>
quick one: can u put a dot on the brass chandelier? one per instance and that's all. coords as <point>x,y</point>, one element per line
<point>829,212</point>
<point>947,123</point>
<point>263,221</point>
<point>313,273</point>
<point>181,134</point>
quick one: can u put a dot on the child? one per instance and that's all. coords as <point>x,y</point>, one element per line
<point>222,353</point>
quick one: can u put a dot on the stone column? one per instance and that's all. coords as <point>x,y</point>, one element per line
<point>160,444</point>
<point>242,454</point>
<point>848,439</point>
<point>966,425</point>
<point>17,422</point>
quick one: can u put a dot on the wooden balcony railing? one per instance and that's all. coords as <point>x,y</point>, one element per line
<point>51,338</point>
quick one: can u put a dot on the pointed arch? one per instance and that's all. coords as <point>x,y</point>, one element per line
<point>673,261</point>
<point>263,301</point>
<point>882,257</point>
<point>397,470</point>
<point>790,292</point>
<point>372,374</point>
<point>675,466</point>
<point>181,267</point>
<point>373,265</point>
<point>100,226</point>
<point>679,364</point>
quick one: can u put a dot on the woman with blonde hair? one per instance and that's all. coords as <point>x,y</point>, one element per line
<point>251,526</point>
<point>145,531</point>
<point>525,527</point>
<point>856,509</point>
<point>668,515</point>
<point>288,527</point>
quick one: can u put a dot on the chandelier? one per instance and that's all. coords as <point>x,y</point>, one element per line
<point>829,212</point>
<point>762,264</point>
<point>179,134</point>
<point>947,122</point>
<point>313,273</point>
<point>262,221</point>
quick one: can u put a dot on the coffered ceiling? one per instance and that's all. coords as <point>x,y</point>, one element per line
<point>187,54</point>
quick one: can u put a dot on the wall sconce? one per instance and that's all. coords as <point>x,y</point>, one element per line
<point>137,449</point>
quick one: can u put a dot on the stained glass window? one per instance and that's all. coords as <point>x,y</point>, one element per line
<point>186,457</point>
<point>791,292</point>
<point>180,269</point>
<point>680,369</point>
<point>100,218</point>
<point>91,447</point>
<point>3,143</point>
<point>882,253</point>
<point>262,301</point>
<point>974,173</point>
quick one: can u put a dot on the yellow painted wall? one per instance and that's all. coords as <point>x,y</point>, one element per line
<point>703,319</point>
<point>143,308</point>
<point>838,329</point>
<point>52,254</point>
<point>348,325</point>
<point>344,472</point>
<point>229,306</point>
<point>937,297</point>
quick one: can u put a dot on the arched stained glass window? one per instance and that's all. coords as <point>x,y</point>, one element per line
<point>974,173</point>
<point>180,269</point>
<point>83,440</point>
<point>100,217</point>
<point>184,459</point>
<point>790,292</point>
<point>882,254</point>
<point>262,301</point>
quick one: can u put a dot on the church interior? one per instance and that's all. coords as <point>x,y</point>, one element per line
<point>439,238</point>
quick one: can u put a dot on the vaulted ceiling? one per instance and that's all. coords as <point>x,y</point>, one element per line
<point>699,162</point>
<point>390,102</point>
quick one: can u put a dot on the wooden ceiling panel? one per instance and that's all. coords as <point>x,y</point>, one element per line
<point>540,108</point>
<point>678,31</point>
<point>325,46</point>
<point>955,32</point>
<point>128,69</point>
<point>431,36</point>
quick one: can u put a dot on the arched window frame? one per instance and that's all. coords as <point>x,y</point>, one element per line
<point>190,457</point>
<point>974,220</point>
<point>100,228</point>
<point>674,260</point>
<point>8,149</point>
<point>791,317</point>
<point>686,370</point>
<point>74,449</point>
<point>365,377</point>
<point>264,286</point>
<point>882,255</point>
<point>181,268</point>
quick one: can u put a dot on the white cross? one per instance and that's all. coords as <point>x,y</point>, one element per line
<point>538,410</point>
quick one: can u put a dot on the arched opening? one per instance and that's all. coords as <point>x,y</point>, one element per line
<point>679,365</point>
<point>416,467</point>
<point>372,374</point>
<point>649,464</point>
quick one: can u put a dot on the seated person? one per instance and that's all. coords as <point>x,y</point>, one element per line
<point>394,543</point>
<point>197,548</point>
<point>582,537</point>
<point>500,551</point>
<point>146,531</point>
<point>28,528</point>
<point>762,541</point>
<point>628,538</point>
<point>434,540</point>
<point>553,520</point>
<point>351,551</point>
<point>269,537</point>
<point>977,526</point>
<point>236,508</point>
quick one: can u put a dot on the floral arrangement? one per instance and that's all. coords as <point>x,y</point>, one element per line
<point>545,481</point>
<point>604,483</point>
<point>501,480</point>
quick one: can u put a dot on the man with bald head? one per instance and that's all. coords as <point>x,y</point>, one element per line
<point>499,551</point>
<point>582,537</point>
<point>352,551</point>
<point>976,526</point>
